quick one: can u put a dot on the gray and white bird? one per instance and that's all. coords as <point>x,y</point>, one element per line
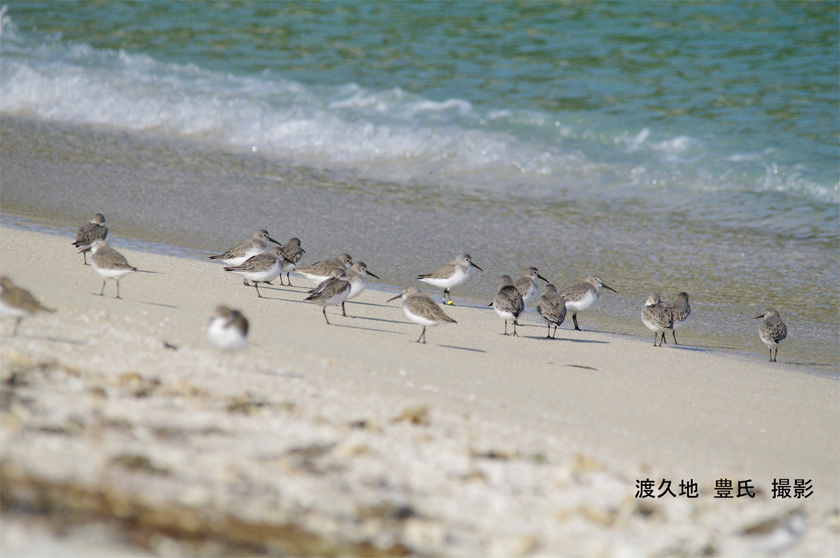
<point>322,270</point>
<point>239,254</point>
<point>508,303</point>
<point>228,329</point>
<point>357,274</point>
<point>526,284</point>
<point>332,292</point>
<point>680,311</point>
<point>292,252</point>
<point>450,275</point>
<point>552,308</point>
<point>582,296</point>
<point>422,310</point>
<point>109,264</point>
<point>18,303</point>
<point>95,229</point>
<point>262,268</point>
<point>657,317</point>
<point>772,331</point>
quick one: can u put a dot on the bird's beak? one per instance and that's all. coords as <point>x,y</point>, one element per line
<point>608,287</point>
<point>372,274</point>
<point>759,317</point>
<point>274,241</point>
<point>395,298</point>
<point>302,251</point>
<point>543,278</point>
<point>475,266</point>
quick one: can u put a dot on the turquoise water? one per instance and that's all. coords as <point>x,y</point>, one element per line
<point>682,127</point>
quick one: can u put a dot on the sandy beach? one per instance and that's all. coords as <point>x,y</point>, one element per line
<point>125,433</point>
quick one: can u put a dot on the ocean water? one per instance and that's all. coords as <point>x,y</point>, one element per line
<point>663,146</point>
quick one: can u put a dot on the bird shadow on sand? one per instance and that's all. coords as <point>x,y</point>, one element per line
<point>66,341</point>
<point>374,304</point>
<point>364,328</point>
<point>687,348</point>
<point>462,348</point>
<point>158,304</point>
<point>374,319</point>
<point>544,338</point>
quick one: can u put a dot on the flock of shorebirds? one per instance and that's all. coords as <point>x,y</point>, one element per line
<point>340,279</point>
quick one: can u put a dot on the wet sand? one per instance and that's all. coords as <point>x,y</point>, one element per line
<point>198,197</point>
<point>353,439</point>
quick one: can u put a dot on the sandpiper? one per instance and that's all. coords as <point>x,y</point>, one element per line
<point>358,277</point>
<point>527,284</point>
<point>228,329</point>
<point>321,271</point>
<point>95,229</point>
<point>581,296</point>
<point>680,311</point>
<point>257,244</point>
<point>109,264</point>
<point>508,303</point>
<point>292,252</point>
<point>552,308</point>
<point>657,317</point>
<point>422,310</point>
<point>332,292</point>
<point>772,331</point>
<point>451,275</point>
<point>262,268</point>
<point>18,303</point>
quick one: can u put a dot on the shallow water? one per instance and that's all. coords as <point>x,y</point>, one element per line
<point>661,146</point>
<point>162,190</point>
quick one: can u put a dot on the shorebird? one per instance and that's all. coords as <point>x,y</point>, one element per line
<point>228,329</point>
<point>292,252</point>
<point>680,310</point>
<point>657,317</point>
<point>109,264</point>
<point>422,310</point>
<point>508,303</point>
<point>527,283</point>
<point>332,292</point>
<point>450,275</point>
<point>257,244</point>
<point>552,308</point>
<point>581,296</point>
<point>262,268</point>
<point>95,229</point>
<point>358,277</point>
<point>18,303</point>
<point>772,331</point>
<point>321,271</point>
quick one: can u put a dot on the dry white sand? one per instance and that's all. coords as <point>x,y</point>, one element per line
<point>353,439</point>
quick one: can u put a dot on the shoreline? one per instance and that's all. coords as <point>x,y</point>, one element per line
<point>183,192</point>
<point>828,370</point>
<point>489,445</point>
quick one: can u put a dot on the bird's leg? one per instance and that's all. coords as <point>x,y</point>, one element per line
<point>325,315</point>
<point>118,288</point>
<point>574,319</point>
<point>343,312</point>
<point>288,278</point>
<point>422,338</point>
<point>674,333</point>
<point>102,292</point>
<point>17,323</point>
<point>257,287</point>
